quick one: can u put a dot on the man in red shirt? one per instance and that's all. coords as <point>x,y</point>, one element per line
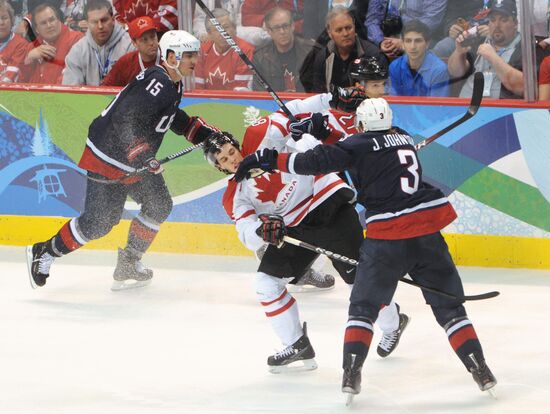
<point>219,67</point>
<point>163,12</point>
<point>45,57</point>
<point>544,79</point>
<point>144,37</point>
<point>254,11</point>
<point>12,46</point>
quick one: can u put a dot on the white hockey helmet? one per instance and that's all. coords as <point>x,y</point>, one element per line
<point>179,42</point>
<point>373,115</point>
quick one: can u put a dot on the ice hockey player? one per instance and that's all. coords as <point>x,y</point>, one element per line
<point>124,137</point>
<point>404,218</point>
<point>369,73</point>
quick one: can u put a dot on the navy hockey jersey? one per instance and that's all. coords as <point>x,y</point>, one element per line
<point>388,175</point>
<point>130,130</point>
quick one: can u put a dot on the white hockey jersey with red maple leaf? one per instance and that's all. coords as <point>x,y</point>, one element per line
<point>288,195</point>
<point>163,12</point>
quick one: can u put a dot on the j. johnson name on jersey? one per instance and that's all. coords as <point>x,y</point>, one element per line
<point>392,140</point>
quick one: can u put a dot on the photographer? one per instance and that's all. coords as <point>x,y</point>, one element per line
<point>498,57</point>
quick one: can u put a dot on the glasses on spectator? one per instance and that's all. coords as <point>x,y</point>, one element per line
<point>48,22</point>
<point>281,27</point>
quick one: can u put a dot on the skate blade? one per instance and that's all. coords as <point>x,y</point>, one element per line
<point>492,392</point>
<point>307,288</point>
<point>297,366</point>
<point>349,398</point>
<point>29,265</point>
<point>129,284</point>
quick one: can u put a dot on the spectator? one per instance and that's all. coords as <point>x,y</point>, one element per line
<point>143,33</point>
<point>12,46</point>
<point>256,36</point>
<point>280,60</point>
<point>220,67</point>
<point>418,72</point>
<point>92,57</point>
<point>45,57</point>
<point>461,16</point>
<point>498,57</point>
<point>75,16</point>
<point>544,79</point>
<point>331,63</point>
<point>163,12</point>
<point>315,13</point>
<point>253,11</point>
<point>429,12</point>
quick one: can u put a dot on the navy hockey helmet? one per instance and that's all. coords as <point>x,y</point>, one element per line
<point>368,68</point>
<point>213,144</point>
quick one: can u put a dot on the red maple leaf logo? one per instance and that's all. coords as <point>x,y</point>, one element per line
<point>269,186</point>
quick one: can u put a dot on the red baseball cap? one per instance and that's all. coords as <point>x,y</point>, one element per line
<point>140,25</point>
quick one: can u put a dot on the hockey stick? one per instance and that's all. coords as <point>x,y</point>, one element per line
<point>245,59</point>
<point>344,259</point>
<point>141,170</point>
<point>477,96</point>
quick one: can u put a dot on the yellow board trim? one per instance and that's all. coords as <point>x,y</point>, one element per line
<point>221,239</point>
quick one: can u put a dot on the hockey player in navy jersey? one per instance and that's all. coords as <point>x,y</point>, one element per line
<point>404,216</point>
<point>125,137</point>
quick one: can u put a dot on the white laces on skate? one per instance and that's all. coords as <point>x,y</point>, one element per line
<point>388,340</point>
<point>288,351</point>
<point>45,262</point>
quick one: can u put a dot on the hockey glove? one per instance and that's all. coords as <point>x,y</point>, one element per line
<point>197,130</point>
<point>264,159</point>
<point>346,99</point>
<point>154,166</point>
<point>316,125</point>
<point>272,228</point>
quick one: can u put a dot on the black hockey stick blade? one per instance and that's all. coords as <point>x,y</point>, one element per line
<point>475,103</point>
<point>481,296</point>
<point>344,259</point>
<point>245,59</point>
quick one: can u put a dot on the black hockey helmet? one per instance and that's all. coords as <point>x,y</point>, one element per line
<point>368,68</point>
<point>213,144</point>
<point>346,99</point>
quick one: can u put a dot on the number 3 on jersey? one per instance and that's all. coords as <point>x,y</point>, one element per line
<point>408,157</point>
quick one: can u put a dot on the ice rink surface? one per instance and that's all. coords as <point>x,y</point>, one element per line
<point>196,341</point>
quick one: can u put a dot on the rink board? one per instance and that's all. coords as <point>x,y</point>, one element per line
<point>493,168</point>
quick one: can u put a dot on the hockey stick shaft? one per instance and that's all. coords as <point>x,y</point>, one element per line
<point>475,103</point>
<point>344,259</point>
<point>245,59</point>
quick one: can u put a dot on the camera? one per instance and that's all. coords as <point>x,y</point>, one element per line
<point>472,38</point>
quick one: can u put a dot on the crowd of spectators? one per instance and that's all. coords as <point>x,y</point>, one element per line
<point>429,47</point>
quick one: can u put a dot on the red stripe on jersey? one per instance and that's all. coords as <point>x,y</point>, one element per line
<point>67,237</point>
<point>142,232</point>
<point>418,223</point>
<point>246,214</point>
<point>314,199</point>
<point>291,302</point>
<point>228,197</point>
<point>333,137</point>
<point>91,162</point>
<point>354,334</point>
<point>281,128</point>
<point>458,338</point>
<point>282,162</point>
<point>275,300</point>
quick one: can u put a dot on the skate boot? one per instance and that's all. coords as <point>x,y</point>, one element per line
<point>300,351</point>
<point>39,261</point>
<point>389,342</point>
<point>312,281</point>
<point>130,272</point>
<point>483,376</point>
<point>351,381</point>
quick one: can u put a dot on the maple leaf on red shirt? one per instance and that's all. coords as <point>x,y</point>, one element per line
<point>269,186</point>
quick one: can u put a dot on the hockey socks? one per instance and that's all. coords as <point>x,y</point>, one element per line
<point>463,339</point>
<point>143,231</point>
<point>68,239</point>
<point>358,336</point>
<point>282,312</point>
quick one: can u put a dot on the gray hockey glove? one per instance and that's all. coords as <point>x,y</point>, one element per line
<point>316,125</point>
<point>272,228</point>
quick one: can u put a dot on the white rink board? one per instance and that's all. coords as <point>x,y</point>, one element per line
<point>196,341</point>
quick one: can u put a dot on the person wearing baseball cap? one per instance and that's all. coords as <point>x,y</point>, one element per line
<point>143,32</point>
<point>498,56</point>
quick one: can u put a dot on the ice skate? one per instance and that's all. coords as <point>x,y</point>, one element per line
<point>351,380</point>
<point>297,357</point>
<point>39,261</point>
<point>389,342</point>
<point>312,281</point>
<point>130,272</point>
<point>483,376</point>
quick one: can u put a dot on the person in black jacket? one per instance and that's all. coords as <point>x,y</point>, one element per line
<point>125,137</point>
<point>404,216</point>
